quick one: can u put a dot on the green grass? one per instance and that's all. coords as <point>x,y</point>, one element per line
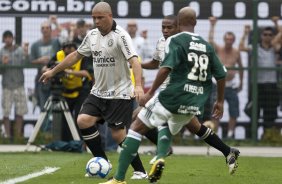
<point>179,169</point>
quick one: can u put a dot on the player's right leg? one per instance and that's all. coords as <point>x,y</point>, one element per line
<point>87,119</point>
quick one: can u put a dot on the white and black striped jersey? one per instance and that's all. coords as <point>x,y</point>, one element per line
<point>110,62</point>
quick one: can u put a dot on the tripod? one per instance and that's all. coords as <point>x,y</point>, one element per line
<point>55,103</point>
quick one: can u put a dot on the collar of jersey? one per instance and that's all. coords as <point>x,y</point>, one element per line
<point>114,26</point>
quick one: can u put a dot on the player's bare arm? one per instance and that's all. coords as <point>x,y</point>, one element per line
<point>137,72</point>
<point>151,65</point>
<point>70,60</point>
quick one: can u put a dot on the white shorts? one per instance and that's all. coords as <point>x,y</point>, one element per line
<point>155,115</point>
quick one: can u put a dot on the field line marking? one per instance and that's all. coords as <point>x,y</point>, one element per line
<point>46,170</point>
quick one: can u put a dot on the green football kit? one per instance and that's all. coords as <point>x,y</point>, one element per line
<point>193,63</point>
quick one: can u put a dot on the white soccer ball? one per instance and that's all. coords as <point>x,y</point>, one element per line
<point>98,166</point>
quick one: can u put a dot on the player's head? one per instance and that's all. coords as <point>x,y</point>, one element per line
<point>102,17</point>
<point>68,47</point>
<point>169,26</point>
<point>186,19</point>
<point>132,28</point>
<point>229,38</point>
<point>7,38</point>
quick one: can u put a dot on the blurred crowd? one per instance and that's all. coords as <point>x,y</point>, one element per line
<point>57,37</point>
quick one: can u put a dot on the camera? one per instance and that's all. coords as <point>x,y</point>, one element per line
<point>56,81</point>
<point>57,85</point>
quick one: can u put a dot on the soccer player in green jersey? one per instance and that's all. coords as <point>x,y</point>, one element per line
<point>191,63</point>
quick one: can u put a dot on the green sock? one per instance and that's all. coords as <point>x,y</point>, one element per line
<point>127,154</point>
<point>164,142</point>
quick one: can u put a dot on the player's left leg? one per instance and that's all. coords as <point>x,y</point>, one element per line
<point>118,120</point>
<point>213,140</point>
<point>156,170</point>
<point>152,135</point>
<point>139,170</point>
<point>231,160</point>
<point>164,144</point>
<point>164,147</point>
<point>175,123</point>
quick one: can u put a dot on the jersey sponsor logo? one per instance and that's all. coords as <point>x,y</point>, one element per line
<point>102,61</point>
<point>198,46</point>
<point>125,45</point>
<point>183,109</point>
<point>97,53</point>
<point>194,89</point>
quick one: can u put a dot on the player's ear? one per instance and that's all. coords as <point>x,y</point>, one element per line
<point>195,22</point>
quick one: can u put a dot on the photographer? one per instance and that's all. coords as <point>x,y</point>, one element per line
<point>70,83</point>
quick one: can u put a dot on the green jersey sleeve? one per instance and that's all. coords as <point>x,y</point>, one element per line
<point>171,54</point>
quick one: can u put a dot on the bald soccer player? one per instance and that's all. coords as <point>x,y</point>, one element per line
<point>191,63</point>
<point>111,97</point>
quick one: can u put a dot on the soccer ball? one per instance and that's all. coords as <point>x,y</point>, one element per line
<point>98,166</point>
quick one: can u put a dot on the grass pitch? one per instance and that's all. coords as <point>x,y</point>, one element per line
<point>179,169</point>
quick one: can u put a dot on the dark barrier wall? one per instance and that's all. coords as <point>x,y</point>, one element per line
<point>140,8</point>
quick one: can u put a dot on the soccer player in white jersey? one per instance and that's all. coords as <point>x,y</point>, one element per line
<point>111,97</point>
<point>176,105</point>
<point>169,28</point>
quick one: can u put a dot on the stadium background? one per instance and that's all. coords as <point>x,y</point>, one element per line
<point>24,18</point>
